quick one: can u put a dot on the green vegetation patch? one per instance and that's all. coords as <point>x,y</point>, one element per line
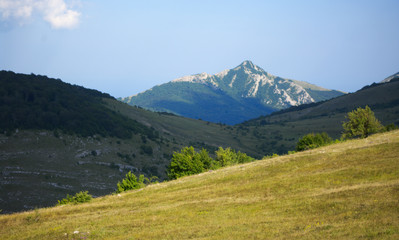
<point>189,162</point>
<point>80,197</point>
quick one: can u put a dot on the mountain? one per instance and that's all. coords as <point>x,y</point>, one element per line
<point>390,78</point>
<point>342,191</point>
<point>231,96</point>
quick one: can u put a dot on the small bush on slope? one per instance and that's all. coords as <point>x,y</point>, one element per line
<point>80,197</point>
<point>130,183</point>
<point>227,157</point>
<point>312,140</point>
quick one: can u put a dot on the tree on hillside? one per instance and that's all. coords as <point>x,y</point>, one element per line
<point>206,160</point>
<point>361,123</point>
<point>226,157</point>
<point>185,163</point>
<point>312,140</point>
<point>189,162</point>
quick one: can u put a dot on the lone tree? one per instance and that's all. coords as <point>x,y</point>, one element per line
<point>361,122</point>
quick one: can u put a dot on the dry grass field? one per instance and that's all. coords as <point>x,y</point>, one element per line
<point>348,190</point>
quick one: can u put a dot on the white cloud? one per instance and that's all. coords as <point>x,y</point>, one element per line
<point>15,9</point>
<point>55,12</point>
<point>58,15</point>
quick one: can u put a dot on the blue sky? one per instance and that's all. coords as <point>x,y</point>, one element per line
<point>124,47</point>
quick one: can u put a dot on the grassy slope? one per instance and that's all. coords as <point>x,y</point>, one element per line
<point>342,191</point>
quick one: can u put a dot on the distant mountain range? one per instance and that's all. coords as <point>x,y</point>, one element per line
<point>231,96</point>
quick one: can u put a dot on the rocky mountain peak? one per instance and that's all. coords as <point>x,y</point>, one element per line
<point>247,64</point>
<point>249,67</point>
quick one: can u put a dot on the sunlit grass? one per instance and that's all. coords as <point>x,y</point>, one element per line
<point>342,191</point>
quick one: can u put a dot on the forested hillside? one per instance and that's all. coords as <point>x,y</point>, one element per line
<point>38,102</point>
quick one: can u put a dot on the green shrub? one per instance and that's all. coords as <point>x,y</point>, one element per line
<point>80,197</point>
<point>270,156</point>
<point>185,163</point>
<point>312,140</point>
<point>68,199</point>
<point>189,162</point>
<point>243,157</point>
<point>390,127</point>
<point>207,161</point>
<point>130,183</point>
<point>226,157</point>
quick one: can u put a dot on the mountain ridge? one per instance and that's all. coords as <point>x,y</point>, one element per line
<point>246,86</point>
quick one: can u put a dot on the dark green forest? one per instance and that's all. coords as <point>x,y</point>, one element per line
<point>38,102</point>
